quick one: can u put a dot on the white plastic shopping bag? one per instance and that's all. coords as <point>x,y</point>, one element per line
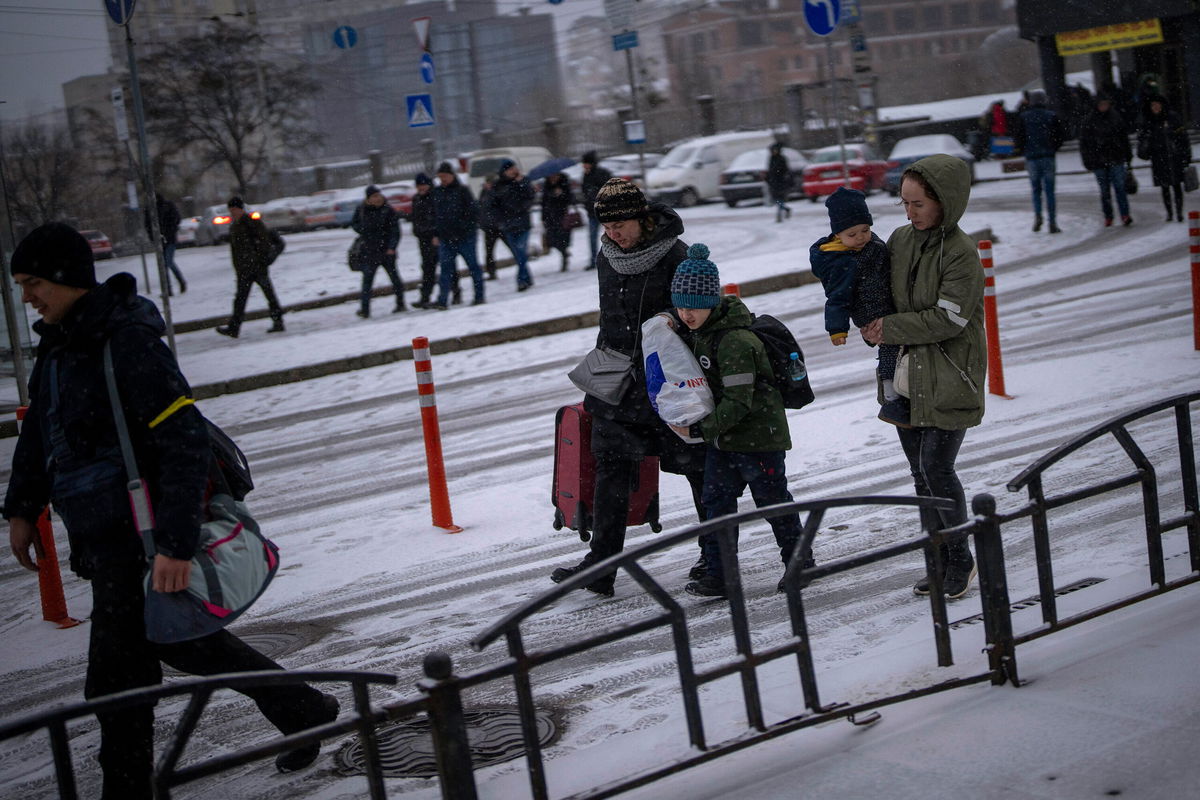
<point>678,390</point>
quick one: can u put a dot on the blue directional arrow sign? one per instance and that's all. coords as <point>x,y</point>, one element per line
<point>420,110</point>
<point>119,10</point>
<point>345,37</point>
<point>427,68</point>
<point>822,16</point>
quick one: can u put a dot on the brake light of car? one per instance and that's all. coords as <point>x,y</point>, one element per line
<point>220,219</point>
<point>255,215</point>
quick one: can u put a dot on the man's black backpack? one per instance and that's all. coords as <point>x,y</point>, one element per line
<point>278,245</point>
<point>780,344</point>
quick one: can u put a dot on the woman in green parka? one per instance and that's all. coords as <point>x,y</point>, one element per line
<point>937,285</point>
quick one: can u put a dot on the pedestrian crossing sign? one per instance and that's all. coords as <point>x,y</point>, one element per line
<point>420,110</point>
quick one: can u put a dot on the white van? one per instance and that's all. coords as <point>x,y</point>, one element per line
<point>482,163</point>
<point>691,172</point>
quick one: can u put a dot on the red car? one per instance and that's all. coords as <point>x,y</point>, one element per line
<point>101,246</point>
<point>823,175</point>
<point>399,196</point>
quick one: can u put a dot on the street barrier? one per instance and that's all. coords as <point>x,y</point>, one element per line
<point>439,495</point>
<point>991,321</point>
<point>50,586</point>
<point>1194,248</point>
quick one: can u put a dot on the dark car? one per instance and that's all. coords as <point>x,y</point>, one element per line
<point>864,170</point>
<point>914,148</point>
<point>746,176</point>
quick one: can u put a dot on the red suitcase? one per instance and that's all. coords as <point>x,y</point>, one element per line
<point>575,477</point>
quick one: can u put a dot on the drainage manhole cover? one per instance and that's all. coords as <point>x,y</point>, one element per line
<point>406,748</point>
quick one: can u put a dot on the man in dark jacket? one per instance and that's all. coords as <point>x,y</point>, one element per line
<point>487,222</point>
<point>424,227</point>
<point>1039,136</point>
<point>68,453</point>
<point>168,229</point>
<point>512,197</point>
<point>456,221</point>
<point>779,181</point>
<point>251,249</point>
<point>1104,147</point>
<point>379,226</point>
<point>594,176</point>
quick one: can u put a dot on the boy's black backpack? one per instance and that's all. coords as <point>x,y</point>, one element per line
<point>780,344</point>
<point>278,245</point>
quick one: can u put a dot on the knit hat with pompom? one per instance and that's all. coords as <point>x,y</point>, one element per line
<point>696,284</point>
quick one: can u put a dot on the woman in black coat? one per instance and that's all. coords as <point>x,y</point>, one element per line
<point>1104,147</point>
<point>639,252</point>
<point>779,181</point>
<point>556,201</point>
<point>1163,141</point>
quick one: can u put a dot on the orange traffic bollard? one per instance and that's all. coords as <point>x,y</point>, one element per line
<point>439,496</point>
<point>991,322</point>
<point>1194,247</point>
<point>54,602</point>
<point>732,288</point>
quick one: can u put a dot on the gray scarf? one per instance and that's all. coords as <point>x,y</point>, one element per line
<point>635,262</point>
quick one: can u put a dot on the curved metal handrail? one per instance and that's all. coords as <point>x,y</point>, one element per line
<point>1064,450</point>
<point>632,555</point>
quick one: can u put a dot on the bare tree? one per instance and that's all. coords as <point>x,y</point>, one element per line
<point>42,165</point>
<point>205,97</point>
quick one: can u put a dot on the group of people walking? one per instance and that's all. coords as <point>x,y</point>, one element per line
<point>920,295</point>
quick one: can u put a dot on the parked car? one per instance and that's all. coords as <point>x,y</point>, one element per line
<point>332,208</point>
<point>399,196</point>
<point>214,224</point>
<point>101,245</point>
<point>186,236</point>
<point>284,214</point>
<point>746,177</point>
<point>914,148</point>
<point>864,167</point>
<point>487,162</point>
<point>691,172</point>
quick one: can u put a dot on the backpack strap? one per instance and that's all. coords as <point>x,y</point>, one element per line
<point>139,495</point>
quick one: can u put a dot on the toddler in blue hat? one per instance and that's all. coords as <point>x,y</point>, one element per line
<point>854,267</point>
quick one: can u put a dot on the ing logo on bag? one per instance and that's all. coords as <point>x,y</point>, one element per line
<point>692,383</point>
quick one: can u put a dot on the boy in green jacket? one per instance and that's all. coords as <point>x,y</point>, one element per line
<point>747,433</point>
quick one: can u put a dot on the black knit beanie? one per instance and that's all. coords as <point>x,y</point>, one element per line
<point>372,189</point>
<point>847,208</point>
<point>58,253</point>
<point>619,199</point>
<point>236,202</point>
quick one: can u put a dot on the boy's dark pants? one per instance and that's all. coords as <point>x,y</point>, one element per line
<point>726,475</point>
<point>120,658</point>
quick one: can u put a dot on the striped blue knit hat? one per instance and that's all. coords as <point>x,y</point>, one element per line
<point>696,284</point>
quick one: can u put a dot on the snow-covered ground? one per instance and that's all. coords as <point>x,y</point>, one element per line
<point>1093,322</point>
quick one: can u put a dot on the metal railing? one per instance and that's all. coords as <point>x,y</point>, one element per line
<point>442,690</point>
<point>168,773</point>
<point>1143,474</point>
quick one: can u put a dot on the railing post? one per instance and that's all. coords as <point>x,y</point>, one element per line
<point>1194,249</point>
<point>991,321</point>
<point>54,602</point>
<point>448,728</point>
<point>439,495</point>
<point>993,590</point>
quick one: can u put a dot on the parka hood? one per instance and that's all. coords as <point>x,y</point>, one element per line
<point>731,313</point>
<point>950,179</point>
<point>667,221</point>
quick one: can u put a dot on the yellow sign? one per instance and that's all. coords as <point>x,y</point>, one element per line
<point>1109,37</point>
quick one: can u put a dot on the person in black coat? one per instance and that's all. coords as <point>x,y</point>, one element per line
<point>487,222</point>
<point>168,229</point>
<point>68,454</point>
<point>779,181</point>
<point>639,253</point>
<point>1104,148</point>
<point>424,228</point>
<point>1163,141</point>
<point>594,177</point>
<point>557,200</point>
<point>250,250</point>
<point>512,198</point>
<point>456,219</point>
<point>379,226</point>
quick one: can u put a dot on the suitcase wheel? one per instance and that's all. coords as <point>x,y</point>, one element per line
<point>656,526</point>
<point>584,536</point>
<point>558,520</point>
